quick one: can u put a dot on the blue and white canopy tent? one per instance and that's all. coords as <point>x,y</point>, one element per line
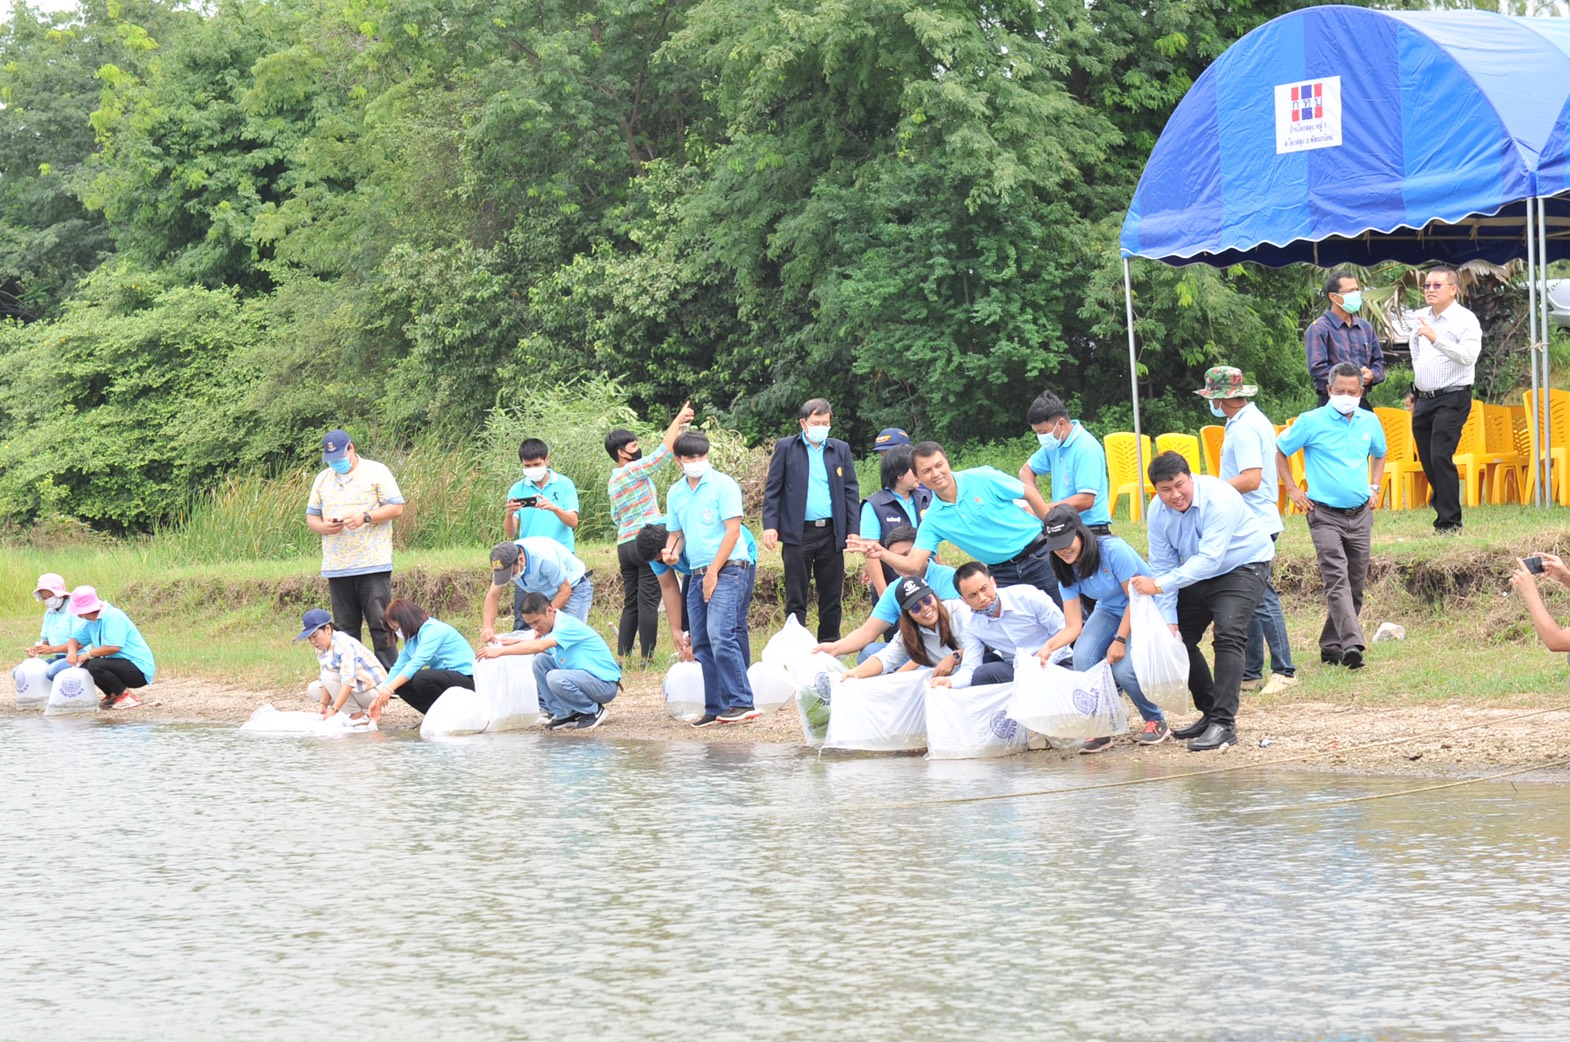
<point>1342,135</point>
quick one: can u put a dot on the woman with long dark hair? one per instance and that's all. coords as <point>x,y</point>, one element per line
<point>434,658</point>
<point>926,639</point>
<point>1100,567</point>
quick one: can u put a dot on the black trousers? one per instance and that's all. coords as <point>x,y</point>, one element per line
<point>1225,605</point>
<point>1033,569</point>
<point>364,598</point>
<point>427,685</point>
<point>640,602</point>
<point>113,676</point>
<point>1436,431</point>
<point>816,559</point>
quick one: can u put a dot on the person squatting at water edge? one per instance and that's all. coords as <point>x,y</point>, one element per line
<point>867,640</point>
<point>1209,553</point>
<point>434,658</point>
<point>1002,621</point>
<point>976,510</point>
<point>54,633</point>
<point>574,671</point>
<point>1100,568</point>
<point>349,673</point>
<point>927,638</point>
<point>108,645</point>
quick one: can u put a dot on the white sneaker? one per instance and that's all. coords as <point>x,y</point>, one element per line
<point>1279,682</point>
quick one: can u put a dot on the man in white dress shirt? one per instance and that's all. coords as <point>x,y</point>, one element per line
<point>1444,366</point>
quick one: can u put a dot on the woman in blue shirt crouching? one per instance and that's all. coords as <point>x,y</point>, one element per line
<point>434,658</point>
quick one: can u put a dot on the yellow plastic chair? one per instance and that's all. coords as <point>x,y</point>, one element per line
<point>1558,445</point>
<point>1185,445</point>
<point>1283,491</point>
<point>1506,466</point>
<point>1211,436</point>
<point>1471,456</point>
<point>1398,491</point>
<point>1123,472</point>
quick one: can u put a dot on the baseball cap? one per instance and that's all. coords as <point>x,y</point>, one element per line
<point>504,557</point>
<point>890,438</point>
<point>312,621</point>
<point>912,592</point>
<point>1059,528</point>
<point>335,446</point>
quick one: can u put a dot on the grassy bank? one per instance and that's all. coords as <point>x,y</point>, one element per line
<point>233,619</point>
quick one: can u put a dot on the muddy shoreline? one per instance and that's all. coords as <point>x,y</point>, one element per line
<point>1426,741</point>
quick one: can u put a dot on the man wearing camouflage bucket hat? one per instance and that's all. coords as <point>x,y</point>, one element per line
<point>1248,453</point>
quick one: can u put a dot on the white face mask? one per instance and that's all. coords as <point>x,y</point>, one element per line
<point>535,474</point>
<point>817,435</point>
<point>695,469</point>
<point>1344,403</point>
<point>53,603</point>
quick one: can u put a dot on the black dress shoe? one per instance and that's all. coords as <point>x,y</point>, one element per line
<point>1215,736</point>
<point>1352,658</point>
<point>1193,730</point>
<point>1330,658</point>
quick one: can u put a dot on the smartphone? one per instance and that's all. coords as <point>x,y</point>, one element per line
<point>1533,564</point>
<point>528,501</point>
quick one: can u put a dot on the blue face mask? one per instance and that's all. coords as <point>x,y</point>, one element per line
<point>340,466</point>
<point>1216,411</point>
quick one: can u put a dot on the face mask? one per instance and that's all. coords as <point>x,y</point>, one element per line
<point>341,466</point>
<point>535,474</point>
<point>696,469</point>
<point>1049,441</point>
<point>633,457</point>
<point>1217,411</point>
<point>54,603</point>
<point>817,435</point>
<point>1351,302</point>
<point>1344,403</point>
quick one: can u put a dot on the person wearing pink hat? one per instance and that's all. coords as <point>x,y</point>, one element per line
<point>107,644</point>
<point>56,629</point>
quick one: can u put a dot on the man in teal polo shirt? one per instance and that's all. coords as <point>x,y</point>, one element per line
<point>1074,458</point>
<point>978,511</point>
<point>1339,441</point>
<point>574,671</point>
<point>536,565</point>
<point>543,503</point>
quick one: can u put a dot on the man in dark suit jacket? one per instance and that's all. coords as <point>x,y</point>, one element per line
<point>810,505</point>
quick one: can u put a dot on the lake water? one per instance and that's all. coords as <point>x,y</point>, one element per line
<point>188,882</point>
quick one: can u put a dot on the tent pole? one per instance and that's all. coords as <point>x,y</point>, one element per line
<point>1548,336</point>
<point>1531,297</point>
<point>1133,383</point>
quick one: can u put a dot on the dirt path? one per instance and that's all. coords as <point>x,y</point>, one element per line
<point>1425,741</point>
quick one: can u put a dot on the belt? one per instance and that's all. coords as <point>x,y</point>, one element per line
<point>1442,390</point>
<point>1035,545</point>
<point>1100,529</point>
<point>823,522</point>
<point>1343,511</point>
<point>728,564</point>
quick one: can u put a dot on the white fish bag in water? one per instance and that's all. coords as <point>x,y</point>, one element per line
<point>73,691</point>
<point>32,684</point>
<point>886,714</point>
<point>1061,703</point>
<point>972,723</point>
<point>457,711</point>
<point>1159,655</point>
<point>506,687</point>
<point>791,650</point>
<point>771,686</point>
<point>684,691</point>
<point>269,719</point>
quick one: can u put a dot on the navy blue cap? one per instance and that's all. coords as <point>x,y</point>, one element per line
<point>890,438</point>
<point>335,446</point>
<point>313,620</point>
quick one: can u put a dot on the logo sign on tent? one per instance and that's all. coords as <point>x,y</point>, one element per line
<point>1308,115</point>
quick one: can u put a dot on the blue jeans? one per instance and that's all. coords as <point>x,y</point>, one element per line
<point>719,638</point>
<point>564,691</point>
<point>57,666</point>
<point>1091,648</point>
<point>578,604</point>
<point>870,650</point>
<point>1268,626</point>
<point>1034,569</point>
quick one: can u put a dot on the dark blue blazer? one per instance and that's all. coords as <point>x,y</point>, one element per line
<point>785,494</point>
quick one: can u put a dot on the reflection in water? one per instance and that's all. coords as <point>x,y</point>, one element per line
<point>168,882</point>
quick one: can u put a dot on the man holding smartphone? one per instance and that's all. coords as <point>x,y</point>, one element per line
<point>352,506</point>
<point>543,503</point>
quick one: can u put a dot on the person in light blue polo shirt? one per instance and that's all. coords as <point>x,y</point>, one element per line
<point>867,640</point>
<point>1074,458</point>
<point>536,565</point>
<point>1340,443</point>
<point>978,511</point>
<point>1248,458</point>
<point>435,657</point>
<point>543,503</point>
<point>703,521</point>
<point>1209,552</point>
<point>107,644</point>
<point>673,578</point>
<point>574,671</point>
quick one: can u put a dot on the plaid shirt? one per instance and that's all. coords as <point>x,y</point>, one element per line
<point>634,500</point>
<point>353,662</point>
<point>1329,341</point>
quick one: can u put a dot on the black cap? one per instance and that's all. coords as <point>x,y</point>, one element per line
<point>911,592</point>
<point>1059,528</point>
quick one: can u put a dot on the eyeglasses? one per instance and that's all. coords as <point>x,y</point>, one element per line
<point>1435,285</point>
<point>930,600</point>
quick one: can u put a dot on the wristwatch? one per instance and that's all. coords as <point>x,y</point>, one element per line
<point>1121,639</point>
<point>368,517</point>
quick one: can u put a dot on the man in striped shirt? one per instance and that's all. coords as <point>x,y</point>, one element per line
<point>634,503</point>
